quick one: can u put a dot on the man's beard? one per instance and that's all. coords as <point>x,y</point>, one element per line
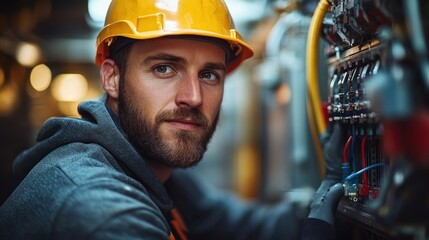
<point>188,147</point>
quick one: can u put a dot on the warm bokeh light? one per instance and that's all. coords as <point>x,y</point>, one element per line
<point>28,54</point>
<point>69,87</point>
<point>69,108</point>
<point>2,77</point>
<point>40,77</point>
<point>283,94</point>
<point>9,98</point>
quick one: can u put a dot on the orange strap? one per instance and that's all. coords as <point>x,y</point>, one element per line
<point>178,226</point>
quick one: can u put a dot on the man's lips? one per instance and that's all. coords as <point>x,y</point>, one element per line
<point>184,124</point>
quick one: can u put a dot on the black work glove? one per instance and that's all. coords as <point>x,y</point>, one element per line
<point>330,190</point>
<point>333,147</point>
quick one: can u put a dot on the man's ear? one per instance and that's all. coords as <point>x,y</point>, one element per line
<point>110,78</point>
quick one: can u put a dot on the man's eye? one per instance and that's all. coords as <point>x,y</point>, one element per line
<point>164,69</point>
<point>209,76</point>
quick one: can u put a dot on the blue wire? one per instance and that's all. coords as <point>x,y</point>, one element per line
<point>353,175</point>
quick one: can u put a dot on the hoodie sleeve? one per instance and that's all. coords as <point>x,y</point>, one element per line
<point>109,210</point>
<point>213,214</point>
<point>316,229</point>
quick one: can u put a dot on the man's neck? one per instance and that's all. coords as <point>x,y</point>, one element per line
<point>162,171</point>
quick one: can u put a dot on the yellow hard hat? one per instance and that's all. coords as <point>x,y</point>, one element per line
<point>146,19</point>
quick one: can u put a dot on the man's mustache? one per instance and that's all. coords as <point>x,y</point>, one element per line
<point>193,115</point>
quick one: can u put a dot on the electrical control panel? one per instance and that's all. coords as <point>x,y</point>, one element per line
<point>355,56</point>
<point>363,162</point>
<point>370,55</point>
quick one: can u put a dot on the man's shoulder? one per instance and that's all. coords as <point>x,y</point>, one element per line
<point>82,191</point>
<point>81,161</point>
<point>79,172</point>
<point>101,206</point>
<point>87,167</point>
<point>105,205</point>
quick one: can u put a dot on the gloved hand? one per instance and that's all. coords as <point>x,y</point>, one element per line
<point>330,190</point>
<point>326,200</point>
<point>333,146</point>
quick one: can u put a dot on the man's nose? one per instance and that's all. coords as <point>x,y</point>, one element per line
<point>189,92</point>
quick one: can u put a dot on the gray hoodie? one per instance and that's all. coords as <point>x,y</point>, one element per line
<point>84,180</point>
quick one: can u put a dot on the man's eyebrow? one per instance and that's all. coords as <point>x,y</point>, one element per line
<point>215,66</point>
<point>165,57</point>
<point>174,58</point>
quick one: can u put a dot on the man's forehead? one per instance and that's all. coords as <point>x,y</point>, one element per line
<point>121,42</point>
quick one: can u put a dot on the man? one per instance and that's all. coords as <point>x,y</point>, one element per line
<point>109,174</point>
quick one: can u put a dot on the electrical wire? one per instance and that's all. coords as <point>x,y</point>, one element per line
<point>315,115</point>
<point>355,163</point>
<point>353,175</point>
<point>346,149</point>
<point>312,62</point>
<point>363,145</point>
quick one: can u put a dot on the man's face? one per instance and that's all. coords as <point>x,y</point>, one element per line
<point>170,99</point>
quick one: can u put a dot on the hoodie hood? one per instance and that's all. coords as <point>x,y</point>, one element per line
<point>99,125</point>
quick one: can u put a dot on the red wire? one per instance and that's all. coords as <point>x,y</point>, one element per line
<point>364,177</point>
<point>346,149</point>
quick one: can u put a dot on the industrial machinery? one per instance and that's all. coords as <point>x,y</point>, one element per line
<point>378,82</point>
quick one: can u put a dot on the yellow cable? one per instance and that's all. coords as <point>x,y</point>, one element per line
<point>312,61</point>
<point>315,114</point>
